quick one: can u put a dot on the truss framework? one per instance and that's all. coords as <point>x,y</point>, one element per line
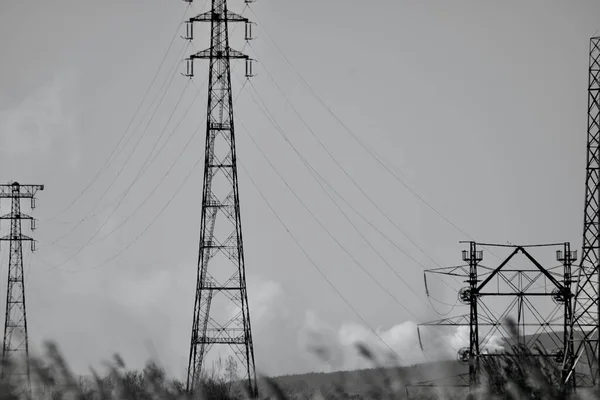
<point>524,291</point>
<point>15,344</point>
<point>221,274</point>
<point>586,324</point>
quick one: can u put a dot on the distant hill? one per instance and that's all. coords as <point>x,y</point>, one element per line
<point>360,381</point>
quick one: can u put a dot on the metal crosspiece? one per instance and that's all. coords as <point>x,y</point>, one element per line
<point>15,348</point>
<point>221,310</point>
<point>586,305</point>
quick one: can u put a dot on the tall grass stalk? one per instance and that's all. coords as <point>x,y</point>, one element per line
<point>516,375</point>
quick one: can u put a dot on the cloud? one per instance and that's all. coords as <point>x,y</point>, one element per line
<point>397,345</point>
<point>43,124</point>
<point>287,338</point>
<point>267,301</point>
<point>338,347</point>
<point>460,339</point>
<point>321,346</point>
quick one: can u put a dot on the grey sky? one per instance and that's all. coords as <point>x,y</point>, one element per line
<point>479,106</point>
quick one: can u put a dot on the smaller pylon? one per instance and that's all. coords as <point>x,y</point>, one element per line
<point>15,346</point>
<point>537,298</point>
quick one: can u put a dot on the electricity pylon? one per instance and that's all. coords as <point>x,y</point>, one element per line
<point>221,270</point>
<point>15,323</point>
<point>534,295</point>
<point>586,328</point>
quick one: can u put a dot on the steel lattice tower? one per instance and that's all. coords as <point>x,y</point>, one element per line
<point>535,295</point>
<point>221,270</point>
<point>586,328</point>
<point>15,322</point>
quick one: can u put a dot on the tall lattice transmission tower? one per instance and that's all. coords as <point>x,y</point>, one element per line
<point>585,335</point>
<point>221,311</point>
<point>16,347</point>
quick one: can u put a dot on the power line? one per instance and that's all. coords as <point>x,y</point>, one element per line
<point>334,159</point>
<point>313,172</point>
<point>156,155</point>
<point>107,161</point>
<point>143,232</point>
<point>315,265</point>
<point>161,180</point>
<point>116,177</point>
<point>380,160</point>
<point>147,164</point>
<point>342,247</point>
<point>139,236</point>
<point>264,109</point>
<point>132,242</point>
<point>135,180</point>
<point>125,191</point>
<point>370,151</point>
<point>316,174</point>
<point>127,160</point>
<point>117,198</point>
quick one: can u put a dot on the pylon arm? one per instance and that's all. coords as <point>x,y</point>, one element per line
<point>25,191</point>
<point>458,270</point>
<point>460,320</point>
<point>8,238</point>
<point>12,216</point>
<point>506,261</point>
<point>211,16</point>
<point>21,237</point>
<point>219,54</point>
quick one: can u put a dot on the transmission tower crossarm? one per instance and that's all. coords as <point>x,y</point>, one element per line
<point>585,323</point>
<point>495,272</point>
<point>221,244</point>
<point>219,54</point>
<point>25,191</point>
<point>8,238</point>
<point>11,216</point>
<point>543,270</point>
<point>15,341</point>
<point>213,16</point>
<point>518,283</point>
<point>457,270</point>
<point>459,320</point>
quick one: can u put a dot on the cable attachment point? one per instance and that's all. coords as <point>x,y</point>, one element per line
<point>558,295</point>
<point>558,356</point>
<point>189,67</point>
<point>248,31</point>
<point>464,355</point>
<point>249,67</point>
<point>419,336</point>
<point>189,30</point>
<point>464,295</point>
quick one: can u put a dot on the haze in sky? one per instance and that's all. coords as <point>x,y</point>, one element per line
<point>477,107</point>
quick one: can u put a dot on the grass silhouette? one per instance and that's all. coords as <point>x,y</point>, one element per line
<point>518,374</point>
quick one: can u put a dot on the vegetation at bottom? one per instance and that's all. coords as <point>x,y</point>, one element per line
<point>518,374</point>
